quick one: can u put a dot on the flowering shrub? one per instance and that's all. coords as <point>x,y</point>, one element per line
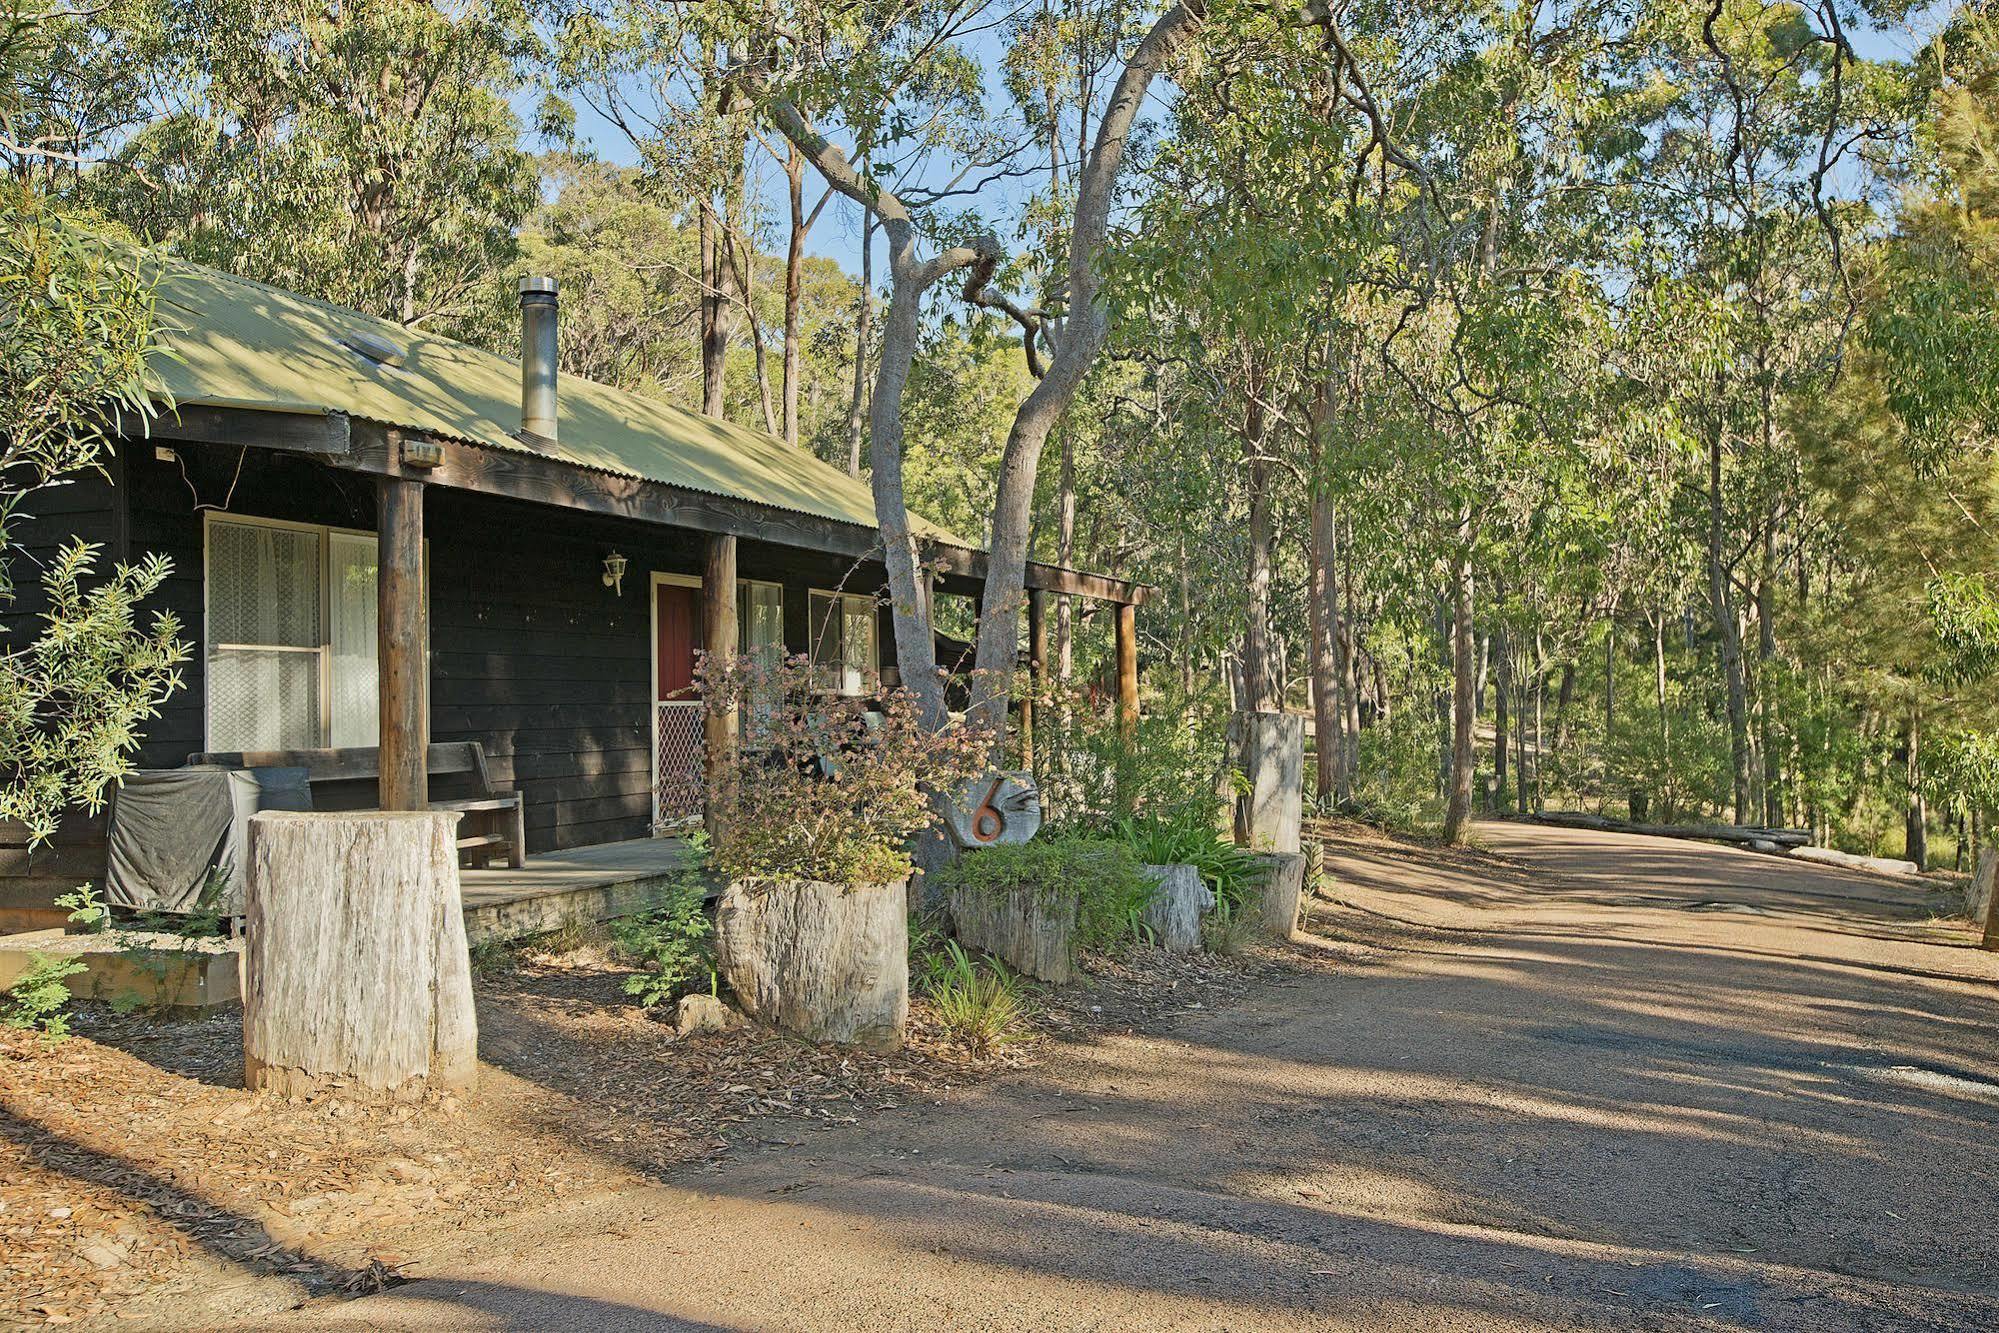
<point>823,786</point>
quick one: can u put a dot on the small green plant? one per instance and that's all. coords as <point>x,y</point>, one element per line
<point>1100,875</point>
<point>983,1006</point>
<point>87,911</point>
<point>38,1001</point>
<point>671,943</point>
<point>1228,929</point>
<point>1232,872</point>
<point>490,957</point>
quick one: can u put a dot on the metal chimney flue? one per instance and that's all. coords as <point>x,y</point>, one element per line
<point>538,357</point>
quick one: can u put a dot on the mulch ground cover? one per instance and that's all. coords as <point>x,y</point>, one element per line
<point>134,1167</point>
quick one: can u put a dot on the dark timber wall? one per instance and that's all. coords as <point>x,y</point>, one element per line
<point>531,655</point>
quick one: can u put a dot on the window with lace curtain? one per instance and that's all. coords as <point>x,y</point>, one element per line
<point>291,635</point>
<point>845,658</point>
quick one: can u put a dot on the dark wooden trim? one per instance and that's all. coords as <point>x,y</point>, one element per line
<point>364,446</point>
<point>290,432</point>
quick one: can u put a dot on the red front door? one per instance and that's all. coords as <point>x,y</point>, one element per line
<point>679,634</point>
<point>677,731</point>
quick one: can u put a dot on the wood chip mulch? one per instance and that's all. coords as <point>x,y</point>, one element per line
<point>136,1171</point>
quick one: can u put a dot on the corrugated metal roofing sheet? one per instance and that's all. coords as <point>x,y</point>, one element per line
<point>238,343</point>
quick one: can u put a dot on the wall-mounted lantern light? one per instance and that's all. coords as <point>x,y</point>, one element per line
<point>614,573</point>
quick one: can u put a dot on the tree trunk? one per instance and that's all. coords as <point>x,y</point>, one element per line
<point>1728,630</point>
<point>1273,767</point>
<point>863,320</point>
<point>1084,329</point>
<point>1327,717</point>
<point>794,264</point>
<point>1258,677</point>
<point>1457,804</point>
<point>356,974</point>
<point>1502,673</point>
<point>829,962</point>
<point>1280,893</point>
<point>1916,825</point>
<point>716,316</point>
<point>1065,556</point>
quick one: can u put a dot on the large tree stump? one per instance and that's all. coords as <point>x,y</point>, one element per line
<point>355,974</point>
<point>1269,816</point>
<point>1032,934</point>
<point>1178,904</point>
<point>827,961</point>
<point>1978,893</point>
<point>1277,898</point>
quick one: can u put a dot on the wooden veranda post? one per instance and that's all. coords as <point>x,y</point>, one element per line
<point>1127,666</point>
<point>718,635</point>
<point>1037,667</point>
<point>402,629</point>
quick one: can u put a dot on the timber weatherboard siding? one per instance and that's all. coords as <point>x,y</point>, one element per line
<point>531,655</point>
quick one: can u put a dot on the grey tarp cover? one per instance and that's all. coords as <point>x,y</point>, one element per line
<point>170,827</point>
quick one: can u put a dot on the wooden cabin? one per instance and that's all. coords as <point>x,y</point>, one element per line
<point>385,538</point>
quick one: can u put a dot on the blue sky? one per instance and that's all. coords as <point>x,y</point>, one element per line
<point>837,235</point>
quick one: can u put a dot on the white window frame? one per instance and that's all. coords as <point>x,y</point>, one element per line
<point>324,650</point>
<point>743,624</point>
<point>872,683</point>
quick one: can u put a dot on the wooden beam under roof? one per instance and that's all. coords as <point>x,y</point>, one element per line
<point>369,447</point>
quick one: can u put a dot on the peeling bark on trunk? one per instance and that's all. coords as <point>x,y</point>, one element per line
<point>829,962</point>
<point>355,970</point>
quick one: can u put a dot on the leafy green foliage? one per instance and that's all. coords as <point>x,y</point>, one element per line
<point>39,998</point>
<point>982,1005</point>
<point>672,943</point>
<point>1232,872</point>
<point>1101,876</point>
<point>76,326</point>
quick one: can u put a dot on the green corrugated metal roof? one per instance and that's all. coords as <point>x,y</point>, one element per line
<point>245,344</point>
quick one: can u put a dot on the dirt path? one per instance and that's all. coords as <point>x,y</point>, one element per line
<point>1579,1081</point>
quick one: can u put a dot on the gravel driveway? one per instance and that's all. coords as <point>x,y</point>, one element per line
<point>1572,1080</point>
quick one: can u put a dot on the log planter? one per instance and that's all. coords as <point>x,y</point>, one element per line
<point>1174,915</point>
<point>1278,897</point>
<point>829,962</point>
<point>1033,933</point>
<point>355,973</point>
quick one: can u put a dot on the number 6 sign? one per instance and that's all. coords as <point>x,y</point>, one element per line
<point>995,809</point>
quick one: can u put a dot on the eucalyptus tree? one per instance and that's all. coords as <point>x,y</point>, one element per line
<point>363,152</point>
<point>1739,175</point>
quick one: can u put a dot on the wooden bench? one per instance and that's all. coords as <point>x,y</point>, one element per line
<point>495,824</point>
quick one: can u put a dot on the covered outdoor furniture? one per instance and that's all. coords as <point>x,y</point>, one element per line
<point>495,823</point>
<point>174,832</point>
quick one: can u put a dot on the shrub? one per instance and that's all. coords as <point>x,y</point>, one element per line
<point>37,1001</point>
<point>982,1006</point>
<point>825,787</point>
<point>1093,772</point>
<point>671,943</point>
<point>1232,872</point>
<point>1100,875</point>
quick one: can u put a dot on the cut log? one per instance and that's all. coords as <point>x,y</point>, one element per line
<point>1278,896</point>
<point>1273,762</point>
<point>1879,865</point>
<point>1178,904</point>
<point>829,962</point>
<point>1033,935</point>
<point>1745,834</point>
<point>355,974</point>
<point>1978,893</point>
